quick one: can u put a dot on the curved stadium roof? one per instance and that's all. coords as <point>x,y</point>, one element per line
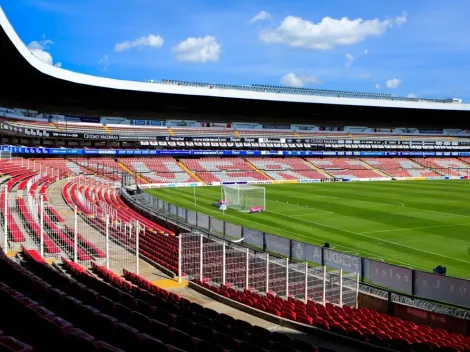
<point>31,83</point>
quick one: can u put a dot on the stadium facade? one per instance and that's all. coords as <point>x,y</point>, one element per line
<point>93,221</point>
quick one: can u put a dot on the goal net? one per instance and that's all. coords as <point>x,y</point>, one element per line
<point>246,198</point>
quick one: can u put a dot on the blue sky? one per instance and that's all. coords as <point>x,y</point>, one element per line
<point>418,47</point>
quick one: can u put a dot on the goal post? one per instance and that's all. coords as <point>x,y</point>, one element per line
<point>245,198</point>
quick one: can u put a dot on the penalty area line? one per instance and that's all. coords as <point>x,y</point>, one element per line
<point>311,237</point>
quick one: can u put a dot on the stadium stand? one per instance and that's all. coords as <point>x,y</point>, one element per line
<point>447,167</point>
<point>65,166</point>
<point>231,176</point>
<point>29,123</point>
<point>401,167</point>
<point>216,164</point>
<point>338,163</point>
<point>105,167</point>
<point>83,312</point>
<point>362,324</point>
<point>286,168</point>
<point>345,168</point>
<point>82,127</point>
<point>66,307</point>
<point>158,170</point>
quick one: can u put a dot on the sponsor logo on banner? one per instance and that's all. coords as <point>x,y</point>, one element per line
<point>343,261</point>
<point>442,288</point>
<point>395,277</point>
<point>276,126</point>
<point>313,253</point>
<point>298,250</point>
<point>101,136</point>
<point>278,244</point>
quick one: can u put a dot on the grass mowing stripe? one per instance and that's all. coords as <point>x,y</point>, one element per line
<point>348,249</point>
<point>428,224</point>
<point>418,228</point>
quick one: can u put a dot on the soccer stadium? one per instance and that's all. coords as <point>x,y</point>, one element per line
<point>186,216</point>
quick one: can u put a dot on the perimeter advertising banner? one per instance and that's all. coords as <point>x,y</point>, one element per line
<point>313,254</point>
<point>298,250</point>
<point>442,288</point>
<point>337,260</point>
<point>253,237</point>
<point>278,244</point>
<point>395,277</point>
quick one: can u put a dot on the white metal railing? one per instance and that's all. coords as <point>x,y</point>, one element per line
<point>223,262</point>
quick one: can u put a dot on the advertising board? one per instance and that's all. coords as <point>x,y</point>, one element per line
<point>442,288</point>
<point>338,260</point>
<point>277,244</point>
<point>395,277</point>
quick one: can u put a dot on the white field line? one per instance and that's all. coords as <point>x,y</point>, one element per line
<point>380,239</point>
<point>417,228</point>
<point>370,255</point>
<point>358,200</point>
<point>351,250</point>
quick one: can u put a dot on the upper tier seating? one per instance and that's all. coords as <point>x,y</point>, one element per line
<point>158,170</point>
<point>82,127</point>
<point>138,130</point>
<point>216,164</point>
<point>204,132</point>
<point>36,124</point>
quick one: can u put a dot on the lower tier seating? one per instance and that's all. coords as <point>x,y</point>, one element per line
<point>363,324</point>
<point>231,176</point>
<point>83,313</point>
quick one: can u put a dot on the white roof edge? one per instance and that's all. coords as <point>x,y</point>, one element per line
<point>81,78</point>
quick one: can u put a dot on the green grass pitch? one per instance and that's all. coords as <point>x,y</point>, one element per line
<point>418,224</point>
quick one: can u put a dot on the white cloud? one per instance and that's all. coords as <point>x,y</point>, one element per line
<point>152,40</point>
<point>292,80</point>
<point>328,33</point>
<point>377,86</point>
<point>103,63</point>
<point>200,49</point>
<point>401,19</point>
<point>58,64</point>
<point>412,95</point>
<point>350,58</point>
<point>261,16</point>
<point>393,83</point>
<point>38,49</point>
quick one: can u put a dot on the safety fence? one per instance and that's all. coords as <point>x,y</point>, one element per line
<point>30,220</point>
<point>222,262</point>
<point>424,289</point>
